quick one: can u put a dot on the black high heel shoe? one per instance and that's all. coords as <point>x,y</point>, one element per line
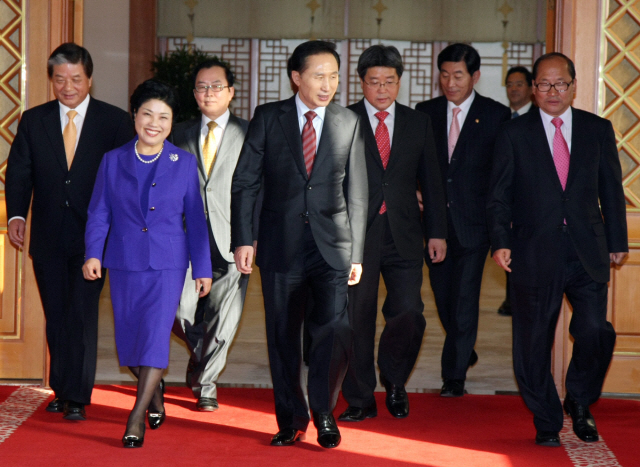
<point>134,441</point>
<point>157,418</point>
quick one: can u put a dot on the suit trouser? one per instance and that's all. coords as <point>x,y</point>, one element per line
<point>456,285</point>
<point>209,324</point>
<point>402,310</point>
<point>71,309</point>
<point>285,299</point>
<point>535,316</point>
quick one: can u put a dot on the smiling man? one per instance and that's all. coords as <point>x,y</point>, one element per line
<point>558,219</point>
<point>54,159</point>
<point>401,157</point>
<point>308,155</point>
<point>209,324</point>
<point>465,125</point>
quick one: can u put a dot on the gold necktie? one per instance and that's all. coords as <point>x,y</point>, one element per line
<point>69,134</point>
<point>210,148</point>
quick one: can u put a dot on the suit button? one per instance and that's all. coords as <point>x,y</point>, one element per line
<point>66,203</point>
<point>153,184</point>
<point>309,187</point>
<point>67,182</point>
<point>449,180</point>
<point>152,209</point>
<point>385,184</point>
<point>302,215</point>
<point>145,229</point>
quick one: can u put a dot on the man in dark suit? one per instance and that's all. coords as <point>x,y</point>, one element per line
<point>55,157</point>
<point>400,154</point>
<point>557,218</point>
<point>308,154</point>
<point>518,82</point>
<point>209,324</point>
<point>465,125</point>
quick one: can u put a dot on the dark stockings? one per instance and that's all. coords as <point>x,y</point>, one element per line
<point>149,396</point>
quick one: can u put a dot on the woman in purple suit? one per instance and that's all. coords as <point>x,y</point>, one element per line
<point>146,193</point>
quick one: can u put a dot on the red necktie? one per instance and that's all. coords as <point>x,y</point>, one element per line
<point>384,146</point>
<point>309,141</point>
<point>561,154</point>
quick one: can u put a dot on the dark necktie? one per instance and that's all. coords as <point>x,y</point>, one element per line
<point>384,146</point>
<point>309,141</point>
<point>515,114</point>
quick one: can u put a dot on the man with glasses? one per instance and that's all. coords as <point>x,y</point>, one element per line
<point>557,218</point>
<point>465,125</point>
<point>209,324</point>
<point>400,155</point>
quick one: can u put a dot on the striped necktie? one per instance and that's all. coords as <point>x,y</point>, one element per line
<point>309,141</point>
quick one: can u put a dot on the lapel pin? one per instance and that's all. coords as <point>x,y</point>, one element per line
<point>477,120</point>
<point>173,157</point>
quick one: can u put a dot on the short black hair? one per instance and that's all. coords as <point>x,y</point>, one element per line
<point>298,60</point>
<point>210,64</point>
<point>154,89</point>
<point>528,76</point>
<point>460,52</point>
<point>72,53</point>
<point>550,55</point>
<point>380,55</point>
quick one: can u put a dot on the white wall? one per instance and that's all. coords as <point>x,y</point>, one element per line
<point>106,36</point>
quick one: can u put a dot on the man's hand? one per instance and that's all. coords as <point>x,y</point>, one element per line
<point>503,258</point>
<point>16,232</point>
<point>354,275</point>
<point>617,258</point>
<point>92,269</point>
<point>437,248</point>
<point>243,256</point>
<point>203,286</point>
<point>419,196</point>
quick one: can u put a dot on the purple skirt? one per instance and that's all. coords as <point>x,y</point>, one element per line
<point>144,308</point>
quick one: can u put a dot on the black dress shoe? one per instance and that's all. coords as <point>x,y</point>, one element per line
<point>357,414</point>
<point>56,405</point>
<point>155,418</point>
<point>287,437</point>
<point>452,388</point>
<point>207,404</point>
<point>397,400</point>
<point>584,426</point>
<point>505,309</point>
<point>134,441</point>
<point>74,411</point>
<point>548,438</point>
<point>328,433</point>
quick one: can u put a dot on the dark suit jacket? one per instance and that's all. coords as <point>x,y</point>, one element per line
<point>466,178</point>
<point>38,165</point>
<point>333,199</point>
<point>412,160</point>
<point>216,189</point>
<point>526,191</point>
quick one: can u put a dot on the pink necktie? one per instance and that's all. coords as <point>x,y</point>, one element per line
<point>561,154</point>
<point>384,146</point>
<point>454,131</point>
<point>309,141</point>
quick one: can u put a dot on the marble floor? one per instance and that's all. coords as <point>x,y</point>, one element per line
<point>248,363</point>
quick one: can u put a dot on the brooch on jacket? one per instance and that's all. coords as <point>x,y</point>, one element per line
<point>173,157</point>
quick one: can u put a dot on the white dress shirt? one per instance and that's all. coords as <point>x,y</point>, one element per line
<point>218,132</point>
<point>464,110</point>
<point>318,120</point>
<point>389,121</point>
<point>550,130</point>
<point>522,110</point>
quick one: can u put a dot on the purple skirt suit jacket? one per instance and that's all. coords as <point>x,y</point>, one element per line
<point>135,242</point>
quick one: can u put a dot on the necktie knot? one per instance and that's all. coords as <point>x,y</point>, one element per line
<point>212,125</point>
<point>515,114</point>
<point>456,111</point>
<point>382,115</point>
<point>72,114</point>
<point>310,115</point>
<point>557,122</point>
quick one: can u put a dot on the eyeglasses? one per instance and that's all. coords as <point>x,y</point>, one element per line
<point>213,87</point>
<point>377,85</point>
<point>560,87</point>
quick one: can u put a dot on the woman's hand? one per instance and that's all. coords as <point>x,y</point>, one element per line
<point>92,269</point>
<point>203,286</point>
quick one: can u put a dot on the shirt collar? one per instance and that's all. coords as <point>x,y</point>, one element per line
<point>466,105</point>
<point>372,111</point>
<point>567,117</point>
<point>303,109</point>
<point>81,108</point>
<point>522,110</point>
<point>222,120</point>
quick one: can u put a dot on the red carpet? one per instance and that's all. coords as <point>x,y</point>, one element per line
<point>492,431</point>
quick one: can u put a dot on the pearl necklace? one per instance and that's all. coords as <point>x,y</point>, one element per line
<point>135,147</point>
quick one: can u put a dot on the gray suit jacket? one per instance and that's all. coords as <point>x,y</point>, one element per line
<point>216,191</point>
